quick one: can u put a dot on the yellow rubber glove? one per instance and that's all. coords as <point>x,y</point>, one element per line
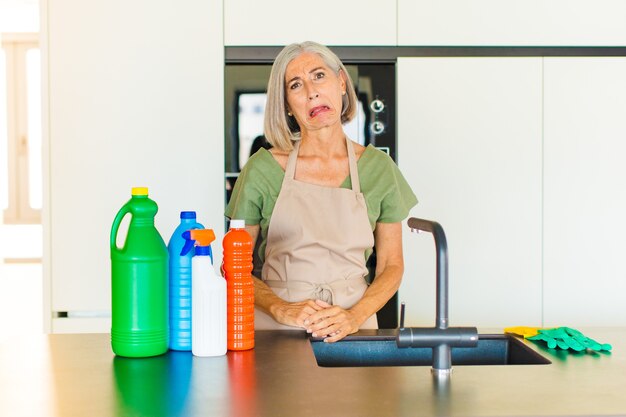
<point>523,331</point>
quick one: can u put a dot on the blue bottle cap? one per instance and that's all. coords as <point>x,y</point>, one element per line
<point>187,214</point>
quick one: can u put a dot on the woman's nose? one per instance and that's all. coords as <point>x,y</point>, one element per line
<point>311,91</point>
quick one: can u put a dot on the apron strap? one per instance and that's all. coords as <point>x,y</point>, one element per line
<point>354,171</point>
<point>290,169</point>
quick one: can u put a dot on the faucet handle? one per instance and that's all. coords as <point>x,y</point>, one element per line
<point>402,307</point>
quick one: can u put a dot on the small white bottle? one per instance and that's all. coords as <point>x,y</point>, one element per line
<point>208,300</point>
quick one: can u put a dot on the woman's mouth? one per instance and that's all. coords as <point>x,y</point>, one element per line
<point>317,110</point>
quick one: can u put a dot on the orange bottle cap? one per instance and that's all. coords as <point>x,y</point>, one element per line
<point>203,237</point>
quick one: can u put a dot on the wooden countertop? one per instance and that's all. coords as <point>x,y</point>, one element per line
<point>78,375</point>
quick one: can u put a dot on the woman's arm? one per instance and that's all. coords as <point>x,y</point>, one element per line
<point>292,314</point>
<point>337,322</point>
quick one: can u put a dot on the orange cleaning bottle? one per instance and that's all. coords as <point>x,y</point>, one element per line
<point>237,265</point>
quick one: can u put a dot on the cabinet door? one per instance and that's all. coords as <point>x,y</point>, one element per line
<point>585,191</point>
<point>469,143</point>
<point>127,108</point>
<point>330,22</point>
<point>512,23</point>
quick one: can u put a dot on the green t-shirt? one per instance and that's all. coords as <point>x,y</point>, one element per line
<point>387,194</point>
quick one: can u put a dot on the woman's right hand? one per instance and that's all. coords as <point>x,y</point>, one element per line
<point>294,314</point>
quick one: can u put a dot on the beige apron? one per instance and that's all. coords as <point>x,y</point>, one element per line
<point>316,243</point>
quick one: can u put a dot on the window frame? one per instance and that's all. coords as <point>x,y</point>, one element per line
<point>19,210</point>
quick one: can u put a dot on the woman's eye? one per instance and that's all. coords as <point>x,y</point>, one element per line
<point>319,75</point>
<point>294,85</point>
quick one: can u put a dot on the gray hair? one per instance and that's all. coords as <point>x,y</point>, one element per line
<point>280,129</point>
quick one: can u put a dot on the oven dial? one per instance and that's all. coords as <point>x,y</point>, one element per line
<point>377,106</point>
<point>377,127</point>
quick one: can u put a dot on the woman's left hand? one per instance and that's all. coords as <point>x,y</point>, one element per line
<point>332,322</point>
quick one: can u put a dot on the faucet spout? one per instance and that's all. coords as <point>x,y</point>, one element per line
<point>441,338</point>
<point>441,247</point>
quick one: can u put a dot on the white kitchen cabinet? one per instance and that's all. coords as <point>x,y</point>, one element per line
<point>585,191</point>
<point>134,98</point>
<point>469,143</point>
<point>330,22</point>
<point>512,23</point>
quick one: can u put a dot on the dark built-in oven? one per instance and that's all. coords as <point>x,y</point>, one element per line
<point>246,74</point>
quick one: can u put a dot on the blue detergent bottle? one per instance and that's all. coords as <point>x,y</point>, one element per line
<point>180,283</point>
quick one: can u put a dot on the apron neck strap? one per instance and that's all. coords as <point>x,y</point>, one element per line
<point>290,169</point>
<point>354,172</point>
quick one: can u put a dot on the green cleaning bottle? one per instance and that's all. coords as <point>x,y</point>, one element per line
<point>139,287</point>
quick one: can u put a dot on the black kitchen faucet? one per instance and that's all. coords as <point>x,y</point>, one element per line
<point>440,338</point>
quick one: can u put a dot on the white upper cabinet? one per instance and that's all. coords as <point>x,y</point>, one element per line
<point>512,22</point>
<point>585,191</point>
<point>469,143</point>
<point>330,22</point>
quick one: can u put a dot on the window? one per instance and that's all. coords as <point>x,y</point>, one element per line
<point>20,129</point>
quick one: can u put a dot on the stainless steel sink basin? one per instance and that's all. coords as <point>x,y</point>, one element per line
<point>381,350</point>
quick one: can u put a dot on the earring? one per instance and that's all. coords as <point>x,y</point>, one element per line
<point>289,114</point>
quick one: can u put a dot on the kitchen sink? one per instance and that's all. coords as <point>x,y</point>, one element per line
<point>381,350</point>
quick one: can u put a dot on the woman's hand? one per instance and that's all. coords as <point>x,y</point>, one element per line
<point>295,314</point>
<point>332,322</point>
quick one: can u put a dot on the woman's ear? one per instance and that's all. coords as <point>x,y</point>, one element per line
<point>342,81</point>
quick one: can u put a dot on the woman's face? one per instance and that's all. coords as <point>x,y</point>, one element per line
<point>314,92</point>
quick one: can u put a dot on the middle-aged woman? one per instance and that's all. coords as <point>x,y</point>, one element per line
<point>319,203</point>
